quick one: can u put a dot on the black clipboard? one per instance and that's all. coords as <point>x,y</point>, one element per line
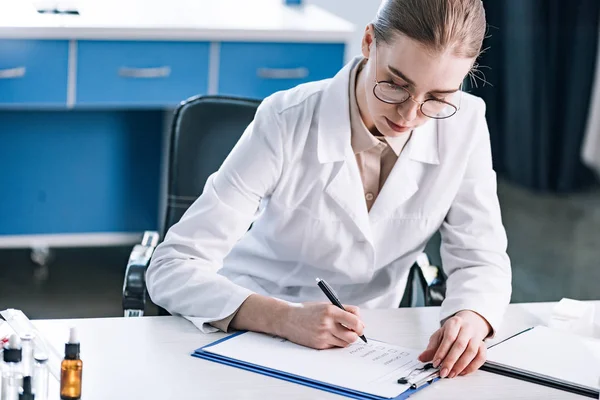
<point>532,377</point>
<point>525,376</point>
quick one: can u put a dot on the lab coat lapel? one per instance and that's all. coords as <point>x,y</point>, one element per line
<point>402,183</point>
<point>345,185</point>
<point>346,190</point>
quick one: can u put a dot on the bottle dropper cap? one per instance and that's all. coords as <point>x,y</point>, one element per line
<point>26,393</point>
<point>40,356</point>
<point>14,342</point>
<point>12,350</point>
<point>27,337</point>
<point>72,347</point>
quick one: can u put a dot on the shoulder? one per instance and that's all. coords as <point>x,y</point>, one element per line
<point>292,116</point>
<point>285,119</point>
<point>471,106</point>
<point>293,103</point>
<point>467,128</point>
<point>470,117</point>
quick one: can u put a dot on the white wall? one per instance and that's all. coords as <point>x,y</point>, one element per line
<point>358,12</point>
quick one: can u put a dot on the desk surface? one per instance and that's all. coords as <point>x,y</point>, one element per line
<point>220,20</point>
<point>149,358</point>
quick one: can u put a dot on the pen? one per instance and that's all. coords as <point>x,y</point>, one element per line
<point>333,298</point>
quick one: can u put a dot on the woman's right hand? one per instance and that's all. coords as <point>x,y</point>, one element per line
<point>316,325</point>
<point>321,325</point>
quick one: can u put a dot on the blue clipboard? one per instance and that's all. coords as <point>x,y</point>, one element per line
<point>353,394</point>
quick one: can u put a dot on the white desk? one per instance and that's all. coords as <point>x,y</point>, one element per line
<point>222,20</point>
<point>149,358</point>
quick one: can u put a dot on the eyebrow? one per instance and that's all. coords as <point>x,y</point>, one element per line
<point>412,83</point>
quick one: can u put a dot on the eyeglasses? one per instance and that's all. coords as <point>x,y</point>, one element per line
<point>390,93</point>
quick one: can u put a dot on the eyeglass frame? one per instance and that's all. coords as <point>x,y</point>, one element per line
<point>411,97</point>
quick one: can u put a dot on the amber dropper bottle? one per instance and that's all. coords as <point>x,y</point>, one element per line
<point>71,369</point>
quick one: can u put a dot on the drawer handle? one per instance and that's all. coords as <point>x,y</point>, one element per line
<point>12,73</point>
<point>145,73</point>
<point>282,73</point>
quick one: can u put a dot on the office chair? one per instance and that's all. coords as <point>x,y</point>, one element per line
<point>203,132</point>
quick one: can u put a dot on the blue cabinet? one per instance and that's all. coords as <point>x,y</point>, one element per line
<point>154,74</point>
<point>34,72</point>
<point>79,171</point>
<point>140,74</point>
<point>260,69</point>
<point>84,148</point>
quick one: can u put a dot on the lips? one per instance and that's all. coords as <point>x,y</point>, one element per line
<point>396,127</point>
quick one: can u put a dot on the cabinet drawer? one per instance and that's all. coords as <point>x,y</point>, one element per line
<point>140,73</point>
<point>34,72</point>
<point>260,69</point>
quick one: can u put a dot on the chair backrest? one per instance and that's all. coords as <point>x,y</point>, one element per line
<point>204,130</point>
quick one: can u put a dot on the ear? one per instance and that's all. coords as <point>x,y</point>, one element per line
<point>368,41</point>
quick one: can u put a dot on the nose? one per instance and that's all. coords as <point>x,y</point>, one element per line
<point>409,110</point>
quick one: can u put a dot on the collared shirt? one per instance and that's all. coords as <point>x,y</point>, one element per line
<point>375,155</point>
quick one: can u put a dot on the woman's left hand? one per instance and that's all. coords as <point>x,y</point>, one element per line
<point>458,347</point>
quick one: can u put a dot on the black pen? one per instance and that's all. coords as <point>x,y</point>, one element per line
<point>333,298</point>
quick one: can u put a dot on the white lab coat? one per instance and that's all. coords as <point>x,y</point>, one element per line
<point>293,174</point>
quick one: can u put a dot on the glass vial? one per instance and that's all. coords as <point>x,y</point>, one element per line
<point>40,376</point>
<point>12,376</point>
<point>71,369</point>
<point>27,351</point>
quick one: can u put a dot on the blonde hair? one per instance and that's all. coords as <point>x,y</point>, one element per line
<point>440,25</point>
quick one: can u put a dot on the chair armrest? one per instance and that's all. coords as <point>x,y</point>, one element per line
<point>134,284</point>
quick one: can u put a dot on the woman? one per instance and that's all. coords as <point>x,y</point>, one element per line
<point>347,179</point>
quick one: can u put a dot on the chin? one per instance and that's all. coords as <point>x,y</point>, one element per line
<point>392,133</point>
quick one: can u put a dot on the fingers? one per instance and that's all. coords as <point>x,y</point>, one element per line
<point>352,309</point>
<point>356,311</point>
<point>434,342</point>
<point>346,336</point>
<point>464,359</point>
<point>337,342</point>
<point>348,319</point>
<point>477,361</point>
<point>326,342</point>
<point>458,348</point>
<point>450,331</point>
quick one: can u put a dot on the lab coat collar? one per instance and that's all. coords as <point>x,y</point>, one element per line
<point>333,141</point>
<point>425,143</point>
<point>334,134</point>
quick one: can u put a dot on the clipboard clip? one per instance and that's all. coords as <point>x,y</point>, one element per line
<point>426,380</point>
<point>416,372</point>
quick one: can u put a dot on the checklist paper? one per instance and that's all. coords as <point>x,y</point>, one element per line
<point>372,368</point>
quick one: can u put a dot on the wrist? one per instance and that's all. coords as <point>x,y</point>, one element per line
<point>279,317</point>
<point>486,328</point>
<point>261,314</point>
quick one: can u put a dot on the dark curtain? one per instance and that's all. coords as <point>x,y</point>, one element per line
<point>540,60</point>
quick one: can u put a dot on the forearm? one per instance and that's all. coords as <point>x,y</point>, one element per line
<point>261,314</point>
